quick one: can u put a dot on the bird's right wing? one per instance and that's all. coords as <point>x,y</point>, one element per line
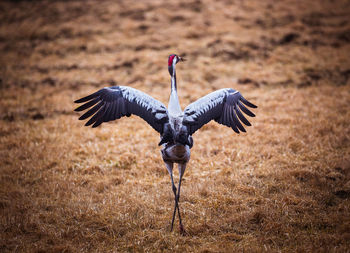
<point>224,106</point>
<point>112,103</point>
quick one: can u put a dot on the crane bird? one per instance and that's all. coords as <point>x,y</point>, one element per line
<point>175,126</point>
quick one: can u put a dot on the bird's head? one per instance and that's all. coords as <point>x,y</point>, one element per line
<point>172,60</point>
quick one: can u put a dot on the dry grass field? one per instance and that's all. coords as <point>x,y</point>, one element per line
<point>284,186</point>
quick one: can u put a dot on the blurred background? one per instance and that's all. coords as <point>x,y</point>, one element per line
<point>282,186</point>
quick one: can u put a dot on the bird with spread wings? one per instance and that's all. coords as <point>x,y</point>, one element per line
<point>176,127</point>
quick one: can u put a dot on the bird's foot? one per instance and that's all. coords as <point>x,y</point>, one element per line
<point>182,230</point>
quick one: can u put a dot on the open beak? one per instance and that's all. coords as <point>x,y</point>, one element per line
<point>181,58</point>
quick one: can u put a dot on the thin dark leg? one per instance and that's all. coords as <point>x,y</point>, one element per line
<point>169,167</point>
<point>182,168</point>
<point>176,206</point>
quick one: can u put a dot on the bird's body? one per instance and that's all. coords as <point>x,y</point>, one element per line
<point>174,125</point>
<point>176,153</point>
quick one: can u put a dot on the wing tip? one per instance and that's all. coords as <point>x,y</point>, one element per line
<point>88,123</point>
<point>78,109</point>
<point>84,99</point>
<point>235,129</point>
<point>246,102</point>
<point>97,123</point>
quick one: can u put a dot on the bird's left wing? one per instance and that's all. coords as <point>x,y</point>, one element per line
<point>112,103</point>
<point>224,106</point>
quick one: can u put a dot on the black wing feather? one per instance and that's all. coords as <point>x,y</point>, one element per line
<point>241,117</point>
<point>91,111</point>
<point>246,102</point>
<point>238,123</point>
<point>234,128</point>
<point>109,108</point>
<point>115,102</point>
<point>245,109</point>
<point>118,108</point>
<point>105,114</point>
<point>89,97</point>
<point>227,118</point>
<point>100,118</point>
<point>233,125</point>
<point>222,106</point>
<point>87,105</point>
<point>94,118</point>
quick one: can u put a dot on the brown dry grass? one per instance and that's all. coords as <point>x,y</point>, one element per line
<point>283,186</point>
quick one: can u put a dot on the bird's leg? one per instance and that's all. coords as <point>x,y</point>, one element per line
<point>169,167</point>
<point>182,168</point>
<point>176,206</point>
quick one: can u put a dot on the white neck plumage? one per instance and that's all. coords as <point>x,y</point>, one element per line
<point>174,107</point>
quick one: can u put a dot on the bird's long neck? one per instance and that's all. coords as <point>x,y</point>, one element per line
<point>174,107</point>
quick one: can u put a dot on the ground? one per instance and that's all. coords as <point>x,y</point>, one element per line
<point>284,186</point>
